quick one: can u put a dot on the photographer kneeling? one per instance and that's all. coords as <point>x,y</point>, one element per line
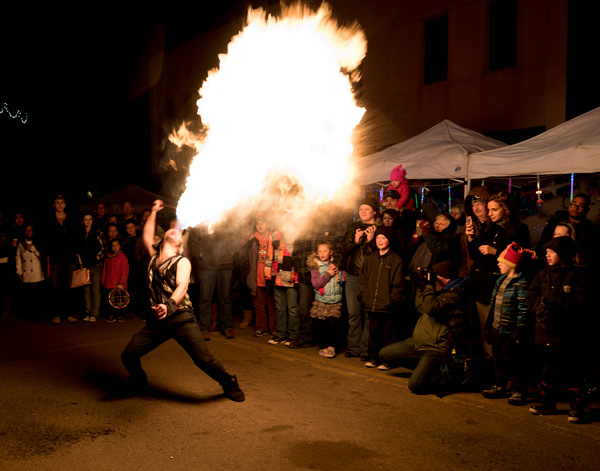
<point>440,305</point>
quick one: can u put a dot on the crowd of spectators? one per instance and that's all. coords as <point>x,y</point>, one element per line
<point>463,298</point>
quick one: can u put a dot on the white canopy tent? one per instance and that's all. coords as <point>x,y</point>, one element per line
<point>571,147</point>
<point>441,152</point>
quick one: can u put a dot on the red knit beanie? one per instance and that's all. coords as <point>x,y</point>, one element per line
<point>514,254</point>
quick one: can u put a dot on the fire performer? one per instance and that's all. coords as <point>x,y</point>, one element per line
<point>171,314</point>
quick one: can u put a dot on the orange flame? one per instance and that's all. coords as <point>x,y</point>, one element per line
<point>279,114</point>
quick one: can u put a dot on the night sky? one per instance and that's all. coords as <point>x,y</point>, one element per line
<point>70,73</point>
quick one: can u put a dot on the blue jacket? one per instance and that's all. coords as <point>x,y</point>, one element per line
<point>515,316</point>
<point>328,289</point>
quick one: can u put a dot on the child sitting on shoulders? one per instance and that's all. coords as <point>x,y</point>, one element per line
<point>327,306</point>
<point>399,183</point>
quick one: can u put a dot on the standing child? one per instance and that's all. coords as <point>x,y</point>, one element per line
<point>327,306</point>
<point>259,251</point>
<point>557,296</point>
<point>114,275</point>
<point>508,327</point>
<point>399,183</point>
<point>380,292</point>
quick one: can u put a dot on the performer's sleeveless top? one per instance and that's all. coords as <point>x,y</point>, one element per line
<point>162,282</point>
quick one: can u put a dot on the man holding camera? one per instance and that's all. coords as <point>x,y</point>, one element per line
<point>440,305</point>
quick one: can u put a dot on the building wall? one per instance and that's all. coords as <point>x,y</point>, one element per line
<point>399,105</point>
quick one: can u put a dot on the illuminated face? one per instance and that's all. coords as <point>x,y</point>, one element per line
<point>479,210</point>
<point>113,232</point>
<point>59,205</point>
<point>390,203</point>
<point>382,242</point>
<point>28,232</point>
<point>130,228</point>
<point>324,252</point>
<point>395,183</point>
<point>174,237</point>
<point>127,209</point>
<point>19,220</point>
<point>440,224</point>
<point>577,207</point>
<point>456,212</point>
<point>262,227</point>
<point>388,220</point>
<point>553,259</point>
<point>504,269</point>
<point>366,213</point>
<point>87,220</point>
<point>113,220</point>
<point>101,210</point>
<point>561,231</point>
<point>495,211</point>
<point>116,246</point>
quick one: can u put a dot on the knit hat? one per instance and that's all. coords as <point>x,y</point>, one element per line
<point>564,246</point>
<point>392,194</point>
<point>514,254</point>
<point>445,269</point>
<point>385,231</point>
<point>398,174</point>
<point>369,202</point>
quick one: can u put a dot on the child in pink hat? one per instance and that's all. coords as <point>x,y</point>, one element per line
<point>399,183</point>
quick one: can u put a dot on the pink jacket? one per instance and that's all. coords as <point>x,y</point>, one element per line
<point>115,271</point>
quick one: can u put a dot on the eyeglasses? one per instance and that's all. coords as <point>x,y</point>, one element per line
<point>578,206</point>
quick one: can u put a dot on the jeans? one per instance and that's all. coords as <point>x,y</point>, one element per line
<point>60,277</point>
<point>208,280</point>
<point>91,293</point>
<point>286,301</point>
<point>306,296</point>
<point>358,321</point>
<point>427,372</point>
<point>187,334</point>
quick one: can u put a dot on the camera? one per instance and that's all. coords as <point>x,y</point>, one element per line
<point>423,274</point>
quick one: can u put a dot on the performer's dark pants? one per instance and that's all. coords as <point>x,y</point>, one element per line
<point>186,333</point>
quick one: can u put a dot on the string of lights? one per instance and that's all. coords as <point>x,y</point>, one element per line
<point>23,117</point>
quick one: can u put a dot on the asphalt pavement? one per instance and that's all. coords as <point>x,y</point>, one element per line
<point>62,407</point>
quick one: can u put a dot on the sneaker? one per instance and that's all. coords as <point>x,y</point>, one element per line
<point>120,319</point>
<point>579,416</point>
<point>371,364</point>
<point>330,352</point>
<point>86,319</point>
<point>496,392</point>
<point>260,333</point>
<point>287,343</point>
<point>93,319</point>
<point>111,319</point>
<point>56,320</point>
<point>542,409</point>
<point>323,352</point>
<point>232,390</point>
<point>517,399</point>
<point>71,320</point>
<point>383,367</point>
<point>297,343</point>
<point>277,340</point>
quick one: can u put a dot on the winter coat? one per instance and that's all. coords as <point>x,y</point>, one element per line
<point>440,321</point>
<point>353,254</point>
<point>515,317</point>
<point>283,269</point>
<point>91,249</point>
<point>115,271</point>
<point>557,297</point>
<point>381,282</point>
<point>29,264</point>
<point>328,289</point>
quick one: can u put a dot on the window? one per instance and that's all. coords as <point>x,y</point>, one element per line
<point>436,50</point>
<point>503,34</point>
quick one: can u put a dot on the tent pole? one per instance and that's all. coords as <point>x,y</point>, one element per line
<point>467,187</point>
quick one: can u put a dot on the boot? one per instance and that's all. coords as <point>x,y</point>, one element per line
<point>248,315</point>
<point>548,405</point>
<point>214,314</point>
<point>580,413</point>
